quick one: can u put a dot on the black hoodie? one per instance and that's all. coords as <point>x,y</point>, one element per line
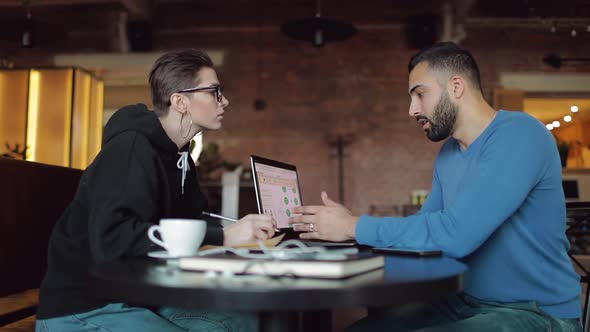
<point>132,183</point>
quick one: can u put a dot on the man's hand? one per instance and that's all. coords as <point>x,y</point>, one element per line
<point>249,229</point>
<point>332,222</point>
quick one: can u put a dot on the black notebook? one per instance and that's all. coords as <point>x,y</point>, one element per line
<point>309,268</point>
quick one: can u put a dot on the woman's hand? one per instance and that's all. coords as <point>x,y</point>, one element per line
<point>249,229</point>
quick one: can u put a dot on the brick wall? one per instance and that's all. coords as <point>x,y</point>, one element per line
<point>356,88</point>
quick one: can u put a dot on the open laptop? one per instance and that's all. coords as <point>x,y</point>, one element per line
<point>277,192</point>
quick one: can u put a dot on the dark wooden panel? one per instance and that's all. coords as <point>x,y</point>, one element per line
<point>33,197</point>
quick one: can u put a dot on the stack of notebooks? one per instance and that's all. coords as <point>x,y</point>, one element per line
<point>309,268</point>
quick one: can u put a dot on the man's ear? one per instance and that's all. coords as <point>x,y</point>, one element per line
<point>456,86</point>
<point>178,103</point>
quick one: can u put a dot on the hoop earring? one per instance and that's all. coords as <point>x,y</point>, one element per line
<point>189,127</point>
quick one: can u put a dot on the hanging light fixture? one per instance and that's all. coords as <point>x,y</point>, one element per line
<point>318,30</point>
<point>27,37</point>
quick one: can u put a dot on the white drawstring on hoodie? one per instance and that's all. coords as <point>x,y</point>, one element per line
<point>183,165</point>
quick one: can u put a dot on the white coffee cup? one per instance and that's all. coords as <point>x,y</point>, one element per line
<point>180,237</point>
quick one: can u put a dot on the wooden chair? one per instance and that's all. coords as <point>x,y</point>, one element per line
<point>578,232</point>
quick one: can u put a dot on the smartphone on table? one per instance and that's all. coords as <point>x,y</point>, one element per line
<point>408,252</point>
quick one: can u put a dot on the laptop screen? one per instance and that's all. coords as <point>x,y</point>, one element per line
<point>277,189</point>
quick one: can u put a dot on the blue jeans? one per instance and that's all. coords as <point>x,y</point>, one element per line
<point>122,317</point>
<point>465,313</point>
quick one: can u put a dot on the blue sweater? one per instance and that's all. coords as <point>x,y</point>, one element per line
<point>499,207</point>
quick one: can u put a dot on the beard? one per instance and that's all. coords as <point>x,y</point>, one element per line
<point>443,119</point>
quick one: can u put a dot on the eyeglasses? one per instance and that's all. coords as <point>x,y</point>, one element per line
<point>217,88</point>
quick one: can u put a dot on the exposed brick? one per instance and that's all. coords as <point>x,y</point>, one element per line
<point>356,87</point>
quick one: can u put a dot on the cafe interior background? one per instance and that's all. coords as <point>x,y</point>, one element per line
<point>319,84</point>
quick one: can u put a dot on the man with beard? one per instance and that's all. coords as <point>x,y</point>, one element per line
<point>496,204</point>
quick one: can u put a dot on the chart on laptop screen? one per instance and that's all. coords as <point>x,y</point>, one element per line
<point>279,192</point>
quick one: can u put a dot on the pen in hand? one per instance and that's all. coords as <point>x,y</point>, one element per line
<point>219,216</point>
<point>232,220</point>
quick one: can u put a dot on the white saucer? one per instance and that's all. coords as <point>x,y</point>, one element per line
<point>162,254</point>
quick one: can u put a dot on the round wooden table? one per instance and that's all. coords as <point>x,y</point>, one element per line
<point>159,283</point>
